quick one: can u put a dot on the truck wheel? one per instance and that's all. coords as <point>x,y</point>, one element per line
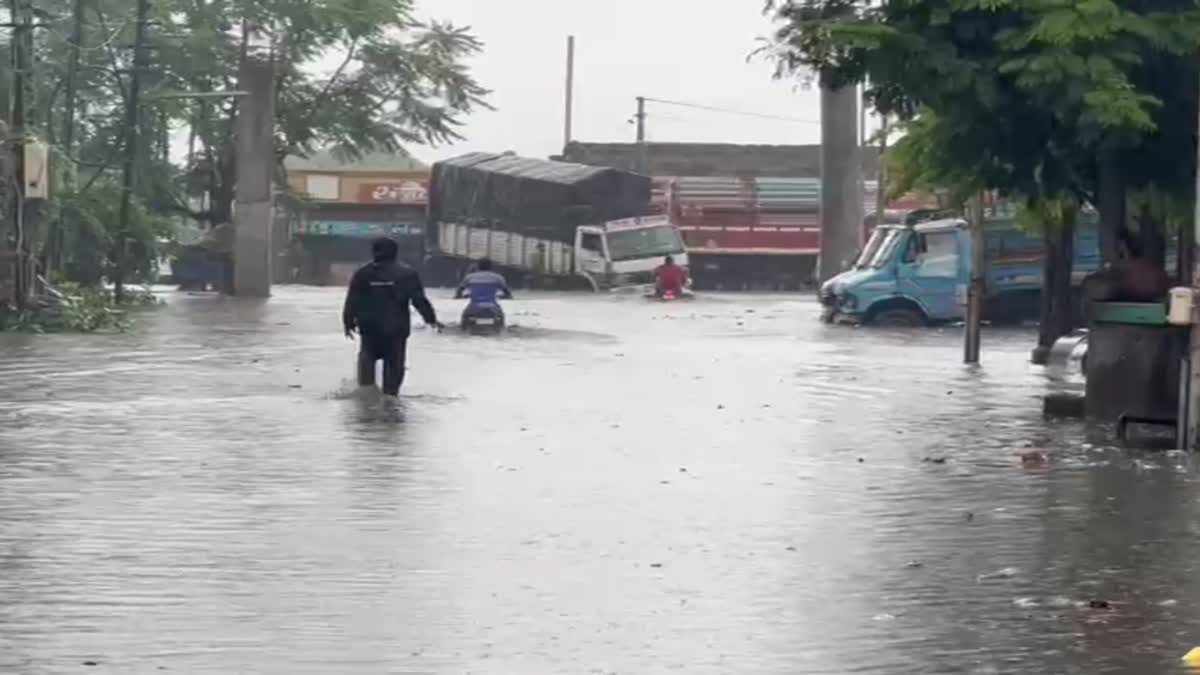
<point>898,317</point>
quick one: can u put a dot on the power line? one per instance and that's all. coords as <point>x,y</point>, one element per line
<point>731,111</point>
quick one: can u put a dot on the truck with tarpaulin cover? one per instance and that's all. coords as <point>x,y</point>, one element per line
<point>565,223</point>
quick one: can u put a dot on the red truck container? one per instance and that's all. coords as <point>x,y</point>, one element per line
<point>748,233</point>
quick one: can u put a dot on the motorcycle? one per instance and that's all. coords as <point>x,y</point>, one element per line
<point>653,293</point>
<point>482,319</point>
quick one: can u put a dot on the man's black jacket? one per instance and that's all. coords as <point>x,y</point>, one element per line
<point>378,298</point>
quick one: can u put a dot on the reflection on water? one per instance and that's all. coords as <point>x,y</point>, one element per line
<point>719,486</point>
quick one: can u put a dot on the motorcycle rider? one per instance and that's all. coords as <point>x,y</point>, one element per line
<point>483,285</point>
<point>377,308</point>
<point>669,277</point>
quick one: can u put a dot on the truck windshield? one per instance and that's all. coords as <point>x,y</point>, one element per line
<point>645,242</point>
<point>887,250</point>
<point>873,244</point>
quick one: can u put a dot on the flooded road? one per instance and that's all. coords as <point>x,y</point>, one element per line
<point>717,486</point>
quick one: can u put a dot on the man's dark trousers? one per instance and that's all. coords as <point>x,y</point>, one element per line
<point>393,351</point>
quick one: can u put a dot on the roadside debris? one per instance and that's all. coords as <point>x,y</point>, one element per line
<point>1002,573</point>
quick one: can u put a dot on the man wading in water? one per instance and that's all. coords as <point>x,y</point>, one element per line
<point>377,307</point>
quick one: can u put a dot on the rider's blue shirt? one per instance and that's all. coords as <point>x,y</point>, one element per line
<point>483,287</point>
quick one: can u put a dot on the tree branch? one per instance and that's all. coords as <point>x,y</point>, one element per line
<point>337,74</point>
<point>112,56</point>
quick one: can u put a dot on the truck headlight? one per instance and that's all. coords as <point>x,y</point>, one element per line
<point>848,301</point>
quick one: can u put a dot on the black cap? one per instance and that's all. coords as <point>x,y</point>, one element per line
<point>384,249</point>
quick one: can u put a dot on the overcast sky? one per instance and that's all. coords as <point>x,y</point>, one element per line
<point>669,49</point>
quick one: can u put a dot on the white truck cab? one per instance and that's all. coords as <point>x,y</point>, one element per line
<point>609,255</point>
<point>626,252</point>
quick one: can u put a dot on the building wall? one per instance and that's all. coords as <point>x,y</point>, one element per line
<point>354,187</point>
<point>333,236</point>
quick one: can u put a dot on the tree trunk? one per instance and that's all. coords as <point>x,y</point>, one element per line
<point>1112,204</point>
<point>57,251</point>
<point>1152,238</point>
<point>1059,306</point>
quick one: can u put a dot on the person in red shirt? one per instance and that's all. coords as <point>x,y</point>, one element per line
<point>669,277</point>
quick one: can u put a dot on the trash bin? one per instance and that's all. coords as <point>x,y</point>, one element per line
<point>1133,362</point>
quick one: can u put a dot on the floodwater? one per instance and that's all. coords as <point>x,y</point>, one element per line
<point>621,486</point>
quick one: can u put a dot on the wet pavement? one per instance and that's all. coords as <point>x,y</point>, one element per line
<point>620,486</point>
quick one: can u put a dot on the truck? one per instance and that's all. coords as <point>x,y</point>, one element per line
<point>752,233</point>
<point>551,223</point>
<point>917,274</point>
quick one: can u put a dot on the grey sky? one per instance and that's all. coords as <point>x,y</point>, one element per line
<point>670,49</point>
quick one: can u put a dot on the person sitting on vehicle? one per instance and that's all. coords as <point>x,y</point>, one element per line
<point>483,285</point>
<point>669,277</point>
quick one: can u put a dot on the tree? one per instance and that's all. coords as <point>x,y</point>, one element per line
<point>399,81</point>
<point>1053,102</point>
<point>1029,95</point>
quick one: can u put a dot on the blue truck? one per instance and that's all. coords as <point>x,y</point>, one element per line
<point>917,274</point>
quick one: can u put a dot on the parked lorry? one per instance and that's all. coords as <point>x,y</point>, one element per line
<point>555,222</point>
<point>752,233</point>
<point>911,275</point>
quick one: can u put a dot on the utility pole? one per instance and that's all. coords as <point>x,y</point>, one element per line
<point>642,160</point>
<point>253,216</point>
<point>976,289</point>
<point>1191,439</point>
<point>569,102</point>
<point>841,180</point>
<point>862,116</point>
<point>133,137</point>
<point>57,235</point>
<point>881,172</point>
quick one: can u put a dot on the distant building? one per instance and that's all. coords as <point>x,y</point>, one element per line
<point>349,202</point>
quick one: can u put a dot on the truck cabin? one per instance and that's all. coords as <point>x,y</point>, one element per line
<point>892,220</point>
<point>929,245</point>
<point>657,241</point>
<point>624,243</point>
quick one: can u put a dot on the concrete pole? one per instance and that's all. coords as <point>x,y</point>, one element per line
<point>841,180</point>
<point>1191,439</point>
<point>253,216</point>
<point>976,290</point>
<point>642,160</point>
<point>862,115</point>
<point>569,95</point>
<point>881,172</point>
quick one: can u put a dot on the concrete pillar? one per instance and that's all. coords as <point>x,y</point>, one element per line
<point>841,180</point>
<point>253,212</point>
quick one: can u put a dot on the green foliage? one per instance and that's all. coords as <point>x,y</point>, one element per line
<point>80,309</point>
<point>1016,95</point>
<point>400,81</point>
<point>1046,213</point>
<point>1154,206</point>
<point>92,216</point>
<point>933,155</point>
